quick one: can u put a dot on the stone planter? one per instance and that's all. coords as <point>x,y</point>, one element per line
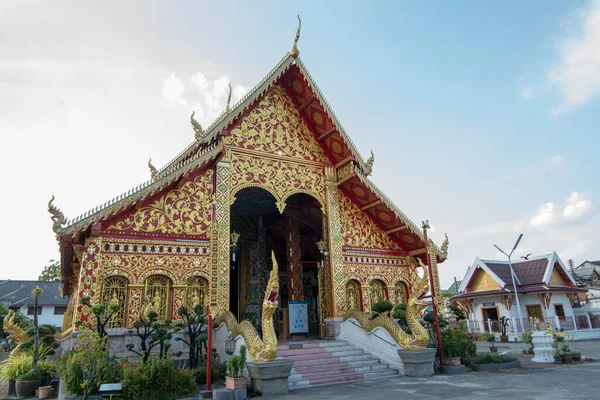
<point>94,397</point>
<point>496,367</point>
<point>567,358</point>
<point>451,361</point>
<point>557,360</point>
<point>576,356</point>
<point>418,362</point>
<point>44,392</point>
<point>235,383</point>
<point>466,362</point>
<point>493,349</point>
<point>27,388</point>
<point>542,342</point>
<point>504,338</point>
<point>271,377</point>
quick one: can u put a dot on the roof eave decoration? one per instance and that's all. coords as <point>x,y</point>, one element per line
<point>129,198</point>
<point>441,253</point>
<point>57,216</point>
<point>295,52</point>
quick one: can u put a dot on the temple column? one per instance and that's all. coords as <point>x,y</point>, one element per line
<point>294,260</point>
<point>220,241</point>
<point>335,243</point>
<point>134,304</point>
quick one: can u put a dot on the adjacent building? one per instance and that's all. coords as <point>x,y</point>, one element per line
<point>52,306</point>
<point>545,288</point>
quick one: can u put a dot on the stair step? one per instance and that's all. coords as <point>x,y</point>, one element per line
<point>337,371</point>
<point>324,355</point>
<point>315,350</point>
<point>334,365</point>
<point>328,380</point>
<point>314,361</point>
<point>304,344</point>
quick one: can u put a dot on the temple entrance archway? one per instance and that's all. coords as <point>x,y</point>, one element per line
<point>292,235</point>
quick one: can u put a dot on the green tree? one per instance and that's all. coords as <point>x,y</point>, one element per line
<point>51,272</point>
<point>193,324</point>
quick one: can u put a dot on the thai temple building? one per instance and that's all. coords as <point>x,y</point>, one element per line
<point>276,172</point>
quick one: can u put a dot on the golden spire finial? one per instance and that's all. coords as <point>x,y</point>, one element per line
<point>228,100</point>
<point>198,132</point>
<point>295,52</point>
<point>58,218</point>
<point>153,171</point>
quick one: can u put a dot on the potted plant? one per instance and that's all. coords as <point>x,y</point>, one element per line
<point>28,383</point>
<point>503,326</point>
<point>559,335</point>
<point>490,338</point>
<point>451,350</point>
<point>235,370</point>
<point>576,354</point>
<point>567,357</point>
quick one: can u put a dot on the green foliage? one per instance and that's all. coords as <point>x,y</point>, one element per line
<point>458,343</point>
<point>20,364</point>
<point>430,325</point>
<point>47,340</point>
<point>236,364</point>
<point>151,333</point>
<point>158,379</point>
<point>85,367</point>
<point>193,324</point>
<point>102,312</point>
<point>492,358</point>
<point>488,337</point>
<point>458,313</point>
<point>527,338</point>
<point>20,318</point>
<point>51,272</point>
<point>219,370</point>
<point>29,376</point>
<point>399,313</point>
<point>381,307</point>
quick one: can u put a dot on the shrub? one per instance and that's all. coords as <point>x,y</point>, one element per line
<point>382,307</point>
<point>458,343</point>
<point>158,379</point>
<point>527,338</point>
<point>85,367</point>
<point>488,337</point>
<point>20,364</point>
<point>492,358</point>
<point>236,364</point>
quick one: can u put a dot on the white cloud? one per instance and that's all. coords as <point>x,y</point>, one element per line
<point>558,160</point>
<point>527,93</point>
<point>238,92</point>
<point>221,86</point>
<point>173,90</point>
<point>577,207</point>
<point>545,214</point>
<point>199,81</point>
<point>577,72</point>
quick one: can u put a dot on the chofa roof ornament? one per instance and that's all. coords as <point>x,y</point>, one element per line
<point>153,171</point>
<point>295,52</point>
<point>198,132</point>
<point>228,100</point>
<point>369,164</point>
<point>58,218</point>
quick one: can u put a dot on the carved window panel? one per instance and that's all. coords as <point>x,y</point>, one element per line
<point>114,291</point>
<point>195,293</point>
<point>376,291</point>
<point>353,295</point>
<point>157,296</point>
<point>400,293</point>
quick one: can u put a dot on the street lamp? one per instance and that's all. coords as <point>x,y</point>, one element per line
<point>512,274</point>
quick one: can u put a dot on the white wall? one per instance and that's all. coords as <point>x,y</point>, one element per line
<point>557,298</point>
<point>47,316</point>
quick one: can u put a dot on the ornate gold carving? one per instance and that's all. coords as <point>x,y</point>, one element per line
<point>186,210</point>
<point>439,299</point>
<point>264,349</point>
<point>275,127</point>
<point>336,241</point>
<point>196,292</point>
<point>58,218</point>
<point>153,171</point>
<point>400,292</point>
<point>376,292</point>
<point>295,52</point>
<point>345,171</point>
<point>198,132</point>
<point>114,291</point>
<point>157,297</point>
<point>360,231</point>
<point>369,164</point>
<point>353,295</point>
<point>280,178</point>
<point>507,301</point>
<point>221,237</point>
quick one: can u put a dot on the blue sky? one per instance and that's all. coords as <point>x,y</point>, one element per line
<point>483,116</point>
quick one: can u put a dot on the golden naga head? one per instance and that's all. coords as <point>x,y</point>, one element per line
<point>270,302</point>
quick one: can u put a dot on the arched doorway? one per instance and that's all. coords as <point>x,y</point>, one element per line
<point>292,235</point>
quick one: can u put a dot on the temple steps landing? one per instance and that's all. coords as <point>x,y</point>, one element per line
<point>327,362</point>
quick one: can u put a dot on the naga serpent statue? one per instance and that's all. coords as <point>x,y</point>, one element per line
<point>16,332</point>
<point>264,349</point>
<point>419,337</point>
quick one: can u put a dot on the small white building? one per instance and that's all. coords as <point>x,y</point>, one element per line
<point>545,290</point>
<point>52,306</point>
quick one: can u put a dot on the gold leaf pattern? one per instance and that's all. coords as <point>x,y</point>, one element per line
<point>185,210</point>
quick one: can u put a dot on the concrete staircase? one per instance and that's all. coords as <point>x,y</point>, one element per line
<point>329,362</point>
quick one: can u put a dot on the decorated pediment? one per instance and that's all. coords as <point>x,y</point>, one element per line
<point>482,281</point>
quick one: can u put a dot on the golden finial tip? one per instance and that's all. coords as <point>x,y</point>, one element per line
<point>295,52</point>
<point>228,100</point>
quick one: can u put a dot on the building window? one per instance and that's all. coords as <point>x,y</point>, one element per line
<point>353,295</point>
<point>30,310</point>
<point>60,310</point>
<point>195,293</point>
<point>114,291</point>
<point>376,291</point>
<point>400,293</point>
<point>559,310</point>
<point>157,296</point>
